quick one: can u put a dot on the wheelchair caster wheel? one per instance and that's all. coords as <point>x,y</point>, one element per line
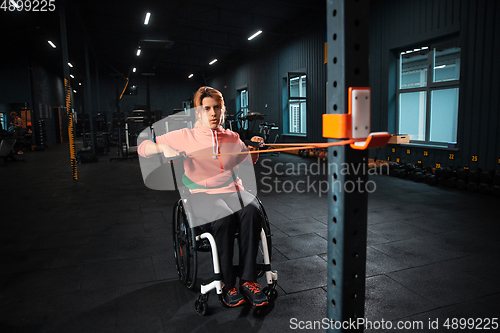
<point>271,293</point>
<point>201,307</point>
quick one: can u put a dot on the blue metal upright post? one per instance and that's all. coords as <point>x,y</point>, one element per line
<point>347,66</point>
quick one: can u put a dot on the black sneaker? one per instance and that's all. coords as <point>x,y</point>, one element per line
<point>232,297</point>
<point>252,291</point>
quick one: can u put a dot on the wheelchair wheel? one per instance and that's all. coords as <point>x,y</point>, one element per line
<point>267,229</point>
<point>184,247</point>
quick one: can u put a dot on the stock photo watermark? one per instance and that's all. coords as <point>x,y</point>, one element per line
<point>309,172</point>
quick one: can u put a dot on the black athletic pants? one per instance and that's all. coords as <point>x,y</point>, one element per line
<point>228,215</point>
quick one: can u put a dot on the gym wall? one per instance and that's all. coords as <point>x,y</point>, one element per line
<point>265,77</point>
<point>167,92</point>
<point>396,24</point>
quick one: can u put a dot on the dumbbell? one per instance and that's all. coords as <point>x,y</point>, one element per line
<point>418,177</point>
<point>448,172</point>
<point>427,177</point>
<point>438,172</point>
<point>432,180</point>
<point>442,181</point>
<point>475,175</point>
<point>428,170</point>
<point>487,176</point>
<point>394,170</point>
<point>485,189</point>
<point>409,167</point>
<point>497,178</point>
<point>462,184</point>
<point>472,186</point>
<point>452,182</point>
<point>496,190</point>
<point>412,171</point>
<point>463,174</point>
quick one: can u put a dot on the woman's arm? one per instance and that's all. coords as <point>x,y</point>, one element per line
<point>151,148</point>
<point>254,151</point>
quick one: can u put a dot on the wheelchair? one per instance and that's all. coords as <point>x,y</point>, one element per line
<point>188,241</point>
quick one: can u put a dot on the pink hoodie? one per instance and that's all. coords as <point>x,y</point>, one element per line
<point>211,173</point>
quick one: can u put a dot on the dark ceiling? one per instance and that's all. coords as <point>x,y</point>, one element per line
<point>199,31</point>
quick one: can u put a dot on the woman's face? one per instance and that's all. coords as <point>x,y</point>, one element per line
<point>210,114</point>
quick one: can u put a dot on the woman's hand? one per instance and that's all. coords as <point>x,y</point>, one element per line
<point>167,150</point>
<point>160,148</point>
<point>254,151</point>
<point>256,139</point>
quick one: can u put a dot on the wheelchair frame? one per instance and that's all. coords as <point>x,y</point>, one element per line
<point>187,242</point>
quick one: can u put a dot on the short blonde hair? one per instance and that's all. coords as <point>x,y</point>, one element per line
<point>206,91</point>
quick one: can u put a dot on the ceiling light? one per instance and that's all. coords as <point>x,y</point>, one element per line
<point>138,52</point>
<point>133,70</point>
<point>74,91</point>
<point>425,47</point>
<point>146,21</point>
<point>79,83</point>
<point>70,65</point>
<point>51,44</point>
<point>72,76</point>
<point>212,62</point>
<point>255,35</point>
<point>442,66</point>
<point>190,76</point>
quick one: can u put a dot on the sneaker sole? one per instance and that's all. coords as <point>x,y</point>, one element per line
<point>239,303</point>
<point>261,304</point>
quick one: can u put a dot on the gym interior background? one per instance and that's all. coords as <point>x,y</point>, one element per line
<point>434,76</point>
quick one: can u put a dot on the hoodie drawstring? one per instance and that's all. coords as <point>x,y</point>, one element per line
<point>215,150</point>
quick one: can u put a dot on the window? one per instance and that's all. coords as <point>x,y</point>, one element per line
<point>243,107</point>
<point>3,121</point>
<point>296,104</point>
<point>429,78</point>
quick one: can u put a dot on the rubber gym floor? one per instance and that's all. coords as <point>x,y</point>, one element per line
<point>95,254</point>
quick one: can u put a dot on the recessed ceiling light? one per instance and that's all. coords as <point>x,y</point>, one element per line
<point>72,76</point>
<point>146,21</point>
<point>190,76</point>
<point>138,52</point>
<point>212,62</point>
<point>70,65</point>
<point>255,35</point>
<point>51,44</point>
<point>133,70</point>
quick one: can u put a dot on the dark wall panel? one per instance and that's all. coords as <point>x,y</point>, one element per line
<point>397,24</point>
<point>48,93</point>
<point>263,75</point>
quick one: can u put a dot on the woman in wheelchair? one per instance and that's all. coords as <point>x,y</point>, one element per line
<point>217,194</point>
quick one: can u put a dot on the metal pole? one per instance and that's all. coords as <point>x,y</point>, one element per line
<point>347,37</point>
<point>88,96</point>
